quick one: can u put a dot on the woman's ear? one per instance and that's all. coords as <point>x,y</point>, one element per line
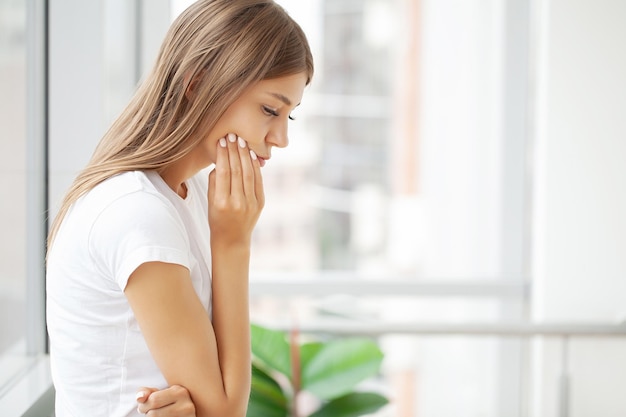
<point>192,87</point>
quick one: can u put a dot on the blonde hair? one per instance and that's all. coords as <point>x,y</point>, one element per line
<point>224,46</point>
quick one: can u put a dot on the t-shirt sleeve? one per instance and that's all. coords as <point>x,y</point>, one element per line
<point>134,229</point>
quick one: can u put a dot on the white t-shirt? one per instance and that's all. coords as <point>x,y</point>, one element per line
<point>99,356</point>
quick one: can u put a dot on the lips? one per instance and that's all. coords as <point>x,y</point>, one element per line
<point>262,157</point>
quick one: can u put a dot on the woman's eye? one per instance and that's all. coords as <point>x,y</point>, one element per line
<point>269,111</point>
<point>272,112</point>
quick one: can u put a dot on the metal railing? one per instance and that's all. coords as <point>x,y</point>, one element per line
<point>376,329</point>
<point>565,331</point>
<point>327,284</point>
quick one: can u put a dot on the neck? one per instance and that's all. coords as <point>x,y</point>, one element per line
<point>175,176</point>
<point>176,173</point>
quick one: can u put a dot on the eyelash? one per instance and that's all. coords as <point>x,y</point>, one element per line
<point>271,112</point>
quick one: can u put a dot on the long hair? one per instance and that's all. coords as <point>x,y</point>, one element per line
<point>223,45</point>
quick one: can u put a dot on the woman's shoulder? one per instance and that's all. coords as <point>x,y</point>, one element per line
<point>126,183</point>
<point>128,192</point>
<point>135,183</point>
<point>131,201</point>
<point>120,207</point>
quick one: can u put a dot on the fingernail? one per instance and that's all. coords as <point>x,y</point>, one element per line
<point>242,142</point>
<point>223,142</point>
<point>232,137</point>
<point>252,154</point>
<point>140,394</point>
<point>139,411</point>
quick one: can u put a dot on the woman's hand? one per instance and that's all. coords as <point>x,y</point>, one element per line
<point>211,359</point>
<point>174,401</point>
<point>236,195</point>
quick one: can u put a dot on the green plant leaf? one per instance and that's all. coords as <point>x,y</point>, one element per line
<point>267,399</point>
<point>271,348</point>
<point>258,408</point>
<point>352,405</point>
<point>263,385</point>
<point>308,351</point>
<point>339,365</point>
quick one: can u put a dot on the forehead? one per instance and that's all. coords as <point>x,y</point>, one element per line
<point>287,89</point>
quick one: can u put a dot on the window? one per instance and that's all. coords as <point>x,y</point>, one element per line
<point>398,157</point>
<point>12,186</point>
<point>404,170</point>
<point>403,197</point>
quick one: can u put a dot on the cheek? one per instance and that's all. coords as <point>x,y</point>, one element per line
<point>252,129</point>
<point>243,118</point>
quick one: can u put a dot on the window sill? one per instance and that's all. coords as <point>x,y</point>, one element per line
<point>31,393</point>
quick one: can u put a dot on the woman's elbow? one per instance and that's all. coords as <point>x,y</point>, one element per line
<point>226,409</point>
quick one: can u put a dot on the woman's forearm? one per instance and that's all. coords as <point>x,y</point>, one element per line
<point>231,321</point>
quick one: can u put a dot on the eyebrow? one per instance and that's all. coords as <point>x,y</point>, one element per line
<point>281,97</point>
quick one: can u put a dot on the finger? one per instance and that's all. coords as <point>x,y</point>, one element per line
<point>234,160</point>
<point>169,402</point>
<point>178,409</point>
<point>143,393</point>
<point>149,407</point>
<point>222,169</point>
<point>212,180</point>
<point>259,192</point>
<point>247,170</point>
<point>159,399</point>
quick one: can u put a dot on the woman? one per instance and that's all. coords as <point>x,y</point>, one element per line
<point>147,268</point>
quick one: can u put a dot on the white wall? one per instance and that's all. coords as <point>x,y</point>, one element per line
<point>98,49</point>
<point>579,222</point>
<point>460,136</point>
<point>461,173</point>
<point>76,96</point>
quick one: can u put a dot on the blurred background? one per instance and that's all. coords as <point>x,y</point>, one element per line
<point>454,188</point>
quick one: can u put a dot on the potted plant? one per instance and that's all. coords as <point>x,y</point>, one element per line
<point>285,371</point>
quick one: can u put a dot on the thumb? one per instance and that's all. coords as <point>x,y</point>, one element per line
<point>211,185</point>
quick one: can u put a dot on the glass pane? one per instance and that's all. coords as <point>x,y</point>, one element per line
<point>393,172</point>
<point>12,178</point>
<point>395,159</point>
<point>328,192</point>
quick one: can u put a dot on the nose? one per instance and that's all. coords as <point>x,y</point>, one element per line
<point>279,136</point>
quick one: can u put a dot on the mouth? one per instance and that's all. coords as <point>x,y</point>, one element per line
<point>262,161</point>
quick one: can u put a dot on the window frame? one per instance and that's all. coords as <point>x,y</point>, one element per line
<point>29,391</point>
